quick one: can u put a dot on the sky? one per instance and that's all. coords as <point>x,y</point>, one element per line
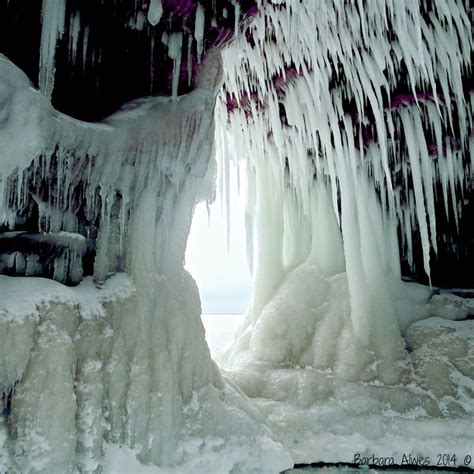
<point>222,275</point>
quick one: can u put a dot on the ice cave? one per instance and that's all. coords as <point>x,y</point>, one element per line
<point>348,126</point>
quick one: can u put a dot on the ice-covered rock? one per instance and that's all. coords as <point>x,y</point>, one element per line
<point>53,255</point>
<point>129,362</point>
<point>442,352</point>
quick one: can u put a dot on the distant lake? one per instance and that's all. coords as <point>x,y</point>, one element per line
<point>220,329</point>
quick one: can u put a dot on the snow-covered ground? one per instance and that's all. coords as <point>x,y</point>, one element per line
<point>353,418</point>
<point>313,416</point>
<point>320,418</point>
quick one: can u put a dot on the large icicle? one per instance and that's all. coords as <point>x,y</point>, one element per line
<point>155,10</point>
<point>52,28</point>
<point>313,89</point>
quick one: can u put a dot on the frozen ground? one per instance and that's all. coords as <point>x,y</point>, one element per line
<point>370,413</point>
<point>315,416</point>
<point>320,418</point>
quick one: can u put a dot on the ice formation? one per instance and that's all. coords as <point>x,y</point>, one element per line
<point>118,370</point>
<point>349,117</point>
<point>53,17</point>
<point>155,10</point>
<point>355,123</point>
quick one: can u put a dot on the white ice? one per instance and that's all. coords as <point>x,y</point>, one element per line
<point>335,350</point>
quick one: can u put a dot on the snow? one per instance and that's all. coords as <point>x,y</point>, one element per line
<point>320,418</point>
<point>25,293</point>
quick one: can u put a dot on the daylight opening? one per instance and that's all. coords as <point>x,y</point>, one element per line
<point>216,257</point>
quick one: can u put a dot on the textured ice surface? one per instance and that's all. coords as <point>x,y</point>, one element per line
<point>320,418</point>
<point>341,166</point>
<point>69,353</point>
<point>324,206</point>
<point>41,356</point>
<point>99,364</point>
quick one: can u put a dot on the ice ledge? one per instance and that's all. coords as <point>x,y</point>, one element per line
<point>27,305</point>
<point>22,296</point>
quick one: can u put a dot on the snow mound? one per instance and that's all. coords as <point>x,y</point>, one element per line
<point>320,416</point>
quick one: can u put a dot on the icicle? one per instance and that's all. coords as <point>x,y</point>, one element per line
<point>190,60</point>
<point>355,55</point>
<point>155,11</point>
<point>413,153</point>
<point>74,31</point>
<point>452,183</point>
<point>175,44</point>
<point>249,217</point>
<point>236,17</point>
<point>85,44</point>
<point>152,64</point>
<point>199,30</point>
<point>428,178</point>
<point>226,181</point>
<point>208,209</point>
<point>52,28</point>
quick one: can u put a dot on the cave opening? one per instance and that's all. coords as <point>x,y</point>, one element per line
<point>217,257</point>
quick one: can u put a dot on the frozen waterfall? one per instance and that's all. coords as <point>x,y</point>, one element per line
<point>339,163</point>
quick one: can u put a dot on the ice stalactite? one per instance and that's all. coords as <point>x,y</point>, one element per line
<point>199,29</point>
<point>175,44</point>
<point>74,32</point>
<point>371,103</point>
<point>155,10</point>
<point>132,367</point>
<point>53,19</point>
